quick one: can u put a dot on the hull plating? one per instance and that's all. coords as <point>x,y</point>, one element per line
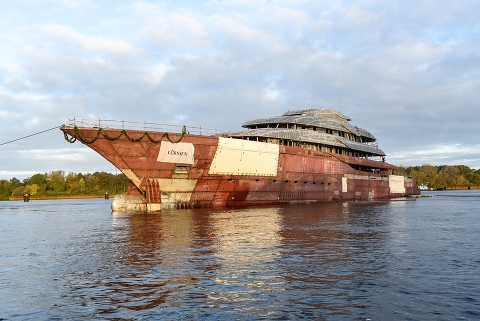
<point>232,172</point>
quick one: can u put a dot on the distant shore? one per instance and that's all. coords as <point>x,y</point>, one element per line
<point>58,185</point>
<point>44,198</point>
<point>454,188</point>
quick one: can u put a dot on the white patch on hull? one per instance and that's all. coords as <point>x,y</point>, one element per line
<point>243,157</point>
<point>344,185</point>
<point>397,184</point>
<point>129,204</point>
<point>132,177</point>
<point>175,191</point>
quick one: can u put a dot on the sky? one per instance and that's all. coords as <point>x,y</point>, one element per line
<point>407,71</point>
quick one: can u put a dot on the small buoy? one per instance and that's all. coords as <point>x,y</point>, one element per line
<point>106,196</point>
<point>26,198</point>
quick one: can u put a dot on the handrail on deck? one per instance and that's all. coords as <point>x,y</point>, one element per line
<point>143,126</point>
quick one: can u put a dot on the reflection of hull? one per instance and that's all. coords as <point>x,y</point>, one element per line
<point>233,172</point>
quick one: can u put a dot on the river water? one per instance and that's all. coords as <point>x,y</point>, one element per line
<point>396,260</point>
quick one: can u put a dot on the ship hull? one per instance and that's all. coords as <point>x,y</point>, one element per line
<point>211,171</point>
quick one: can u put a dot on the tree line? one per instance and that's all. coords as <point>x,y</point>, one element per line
<point>451,177</point>
<point>58,184</point>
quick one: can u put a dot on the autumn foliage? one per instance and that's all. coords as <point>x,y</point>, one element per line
<point>59,184</point>
<point>451,177</point>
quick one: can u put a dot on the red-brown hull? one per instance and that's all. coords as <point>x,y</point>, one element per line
<point>301,176</point>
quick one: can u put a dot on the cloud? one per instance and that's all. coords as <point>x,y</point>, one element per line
<point>439,154</point>
<point>76,4</point>
<point>407,72</point>
<point>96,43</point>
<point>8,175</point>
<point>415,52</point>
<point>239,31</point>
<point>62,154</point>
<point>36,160</point>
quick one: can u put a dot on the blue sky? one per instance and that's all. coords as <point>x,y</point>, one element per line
<point>408,71</point>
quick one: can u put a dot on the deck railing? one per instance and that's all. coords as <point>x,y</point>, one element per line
<point>144,126</point>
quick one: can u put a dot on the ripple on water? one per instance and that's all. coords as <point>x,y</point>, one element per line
<point>384,260</point>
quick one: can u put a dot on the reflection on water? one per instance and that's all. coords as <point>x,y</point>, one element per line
<point>332,260</point>
<point>307,259</point>
<point>338,247</point>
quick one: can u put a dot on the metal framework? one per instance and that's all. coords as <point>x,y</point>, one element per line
<point>314,129</point>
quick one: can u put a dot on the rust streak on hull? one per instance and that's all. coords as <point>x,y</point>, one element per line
<point>300,175</point>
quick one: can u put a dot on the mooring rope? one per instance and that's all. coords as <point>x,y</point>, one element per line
<point>43,131</point>
<point>76,133</point>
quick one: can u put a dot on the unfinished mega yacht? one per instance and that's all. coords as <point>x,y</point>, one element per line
<point>309,155</point>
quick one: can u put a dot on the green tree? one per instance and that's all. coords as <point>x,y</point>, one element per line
<point>468,174</point>
<point>18,191</point>
<point>38,179</point>
<point>31,189</point>
<point>73,183</point>
<point>56,181</point>
<point>91,184</point>
<point>14,183</point>
<point>81,184</point>
<point>5,190</point>
<point>59,186</point>
<point>442,176</point>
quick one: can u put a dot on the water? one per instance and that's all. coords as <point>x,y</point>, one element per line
<point>397,260</point>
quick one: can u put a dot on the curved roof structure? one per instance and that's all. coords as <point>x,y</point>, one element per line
<point>322,118</point>
<point>309,121</point>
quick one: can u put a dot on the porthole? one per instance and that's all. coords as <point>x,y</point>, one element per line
<point>286,181</point>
